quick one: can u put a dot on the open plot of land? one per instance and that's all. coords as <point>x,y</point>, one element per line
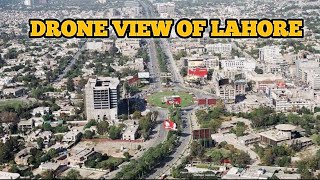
<point>110,148</point>
<point>87,173</point>
<point>14,103</point>
<point>157,98</point>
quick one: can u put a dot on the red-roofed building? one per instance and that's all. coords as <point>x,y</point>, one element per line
<point>199,72</point>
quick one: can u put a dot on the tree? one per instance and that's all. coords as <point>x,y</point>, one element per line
<point>59,137</point>
<point>102,127</point>
<point>70,85</point>
<point>240,159</point>
<point>88,134</point>
<point>127,156</point>
<point>4,153</point>
<point>114,132</point>
<point>73,174</point>
<point>136,115</point>
<point>216,156</point>
<point>316,139</point>
<point>145,125</point>
<point>258,70</point>
<point>52,153</point>
<point>48,175</point>
<point>7,117</point>
<point>184,71</point>
<point>240,129</point>
<point>196,149</point>
<point>92,122</point>
<point>40,143</point>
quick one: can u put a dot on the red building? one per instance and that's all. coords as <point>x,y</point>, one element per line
<point>172,100</point>
<point>198,72</point>
<point>205,102</point>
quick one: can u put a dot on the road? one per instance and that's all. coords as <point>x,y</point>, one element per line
<point>185,138</point>
<point>72,62</point>
<point>180,151</point>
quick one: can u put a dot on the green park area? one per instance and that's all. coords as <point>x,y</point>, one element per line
<point>13,104</point>
<point>156,99</point>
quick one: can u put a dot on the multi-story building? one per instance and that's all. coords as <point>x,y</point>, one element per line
<point>283,100</point>
<point>167,8</point>
<point>131,4</point>
<point>238,64</point>
<point>315,79</point>
<point>211,63</point>
<point>270,54</point>
<point>101,98</point>
<point>303,66</point>
<point>226,91</point>
<point>219,48</point>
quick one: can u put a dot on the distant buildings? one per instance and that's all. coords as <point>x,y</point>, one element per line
<point>27,2</point>
<point>259,172</point>
<point>16,92</point>
<point>99,46</point>
<point>102,1</point>
<point>218,48</point>
<point>165,9</point>
<point>270,54</point>
<point>284,100</point>
<point>40,110</point>
<point>101,98</point>
<point>240,64</point>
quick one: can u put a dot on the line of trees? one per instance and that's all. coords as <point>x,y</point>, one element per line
<point>162,58</point>
<point>139,169</point>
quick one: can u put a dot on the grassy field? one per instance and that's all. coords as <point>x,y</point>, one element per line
<point>13,103</point>
<point>156,99</point>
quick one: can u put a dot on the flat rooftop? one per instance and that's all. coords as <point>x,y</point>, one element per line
<point>285,127</point>
<point>274,135</point>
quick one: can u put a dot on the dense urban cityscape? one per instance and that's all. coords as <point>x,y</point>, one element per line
<point>159,108</point>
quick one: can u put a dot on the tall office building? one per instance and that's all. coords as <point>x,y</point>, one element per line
<point>101,98</point>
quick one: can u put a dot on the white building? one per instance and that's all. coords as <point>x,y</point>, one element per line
<point>71,136</point>
<point>130,133</point>
<point>40,110</point>
<point>303,66</point>
<point>102,1</point>
<point>167,8</point>
<point>283,100</point>
<point>226,91</point>
<point>100,46</point>
<point>101,98</point>
<point>270,54</point>
<point>8,175</point>
<point>219,48</point>
<point>28,2</point>
<point>237,63</point>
